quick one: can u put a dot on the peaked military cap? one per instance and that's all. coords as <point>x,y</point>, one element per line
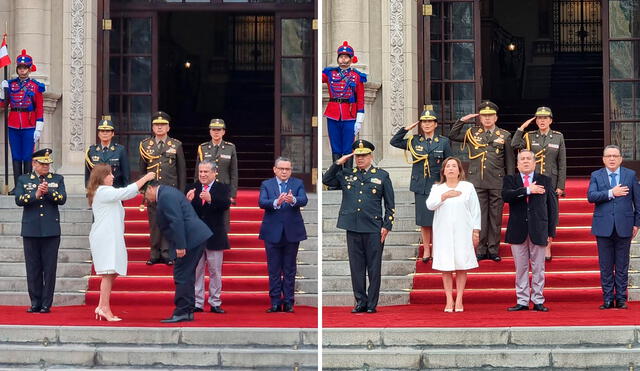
<point>105,123</point>
<point>217,124</point>
<point>544,111</point>
<point>362,147</point>
<point>42,156</point>
<point>160,118</point>
<point>428,115</point>
<point>487,107</point>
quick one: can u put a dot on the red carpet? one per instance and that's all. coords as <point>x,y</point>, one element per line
<point>244,270</point>
<point>572,276</point>
<point>483,315</point>
<point>150,315</point>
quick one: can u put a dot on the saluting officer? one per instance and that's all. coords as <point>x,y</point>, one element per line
<point>363,190</point>
<point>550,153</point>
<point>427,150</point>
<point>490,159</point>
<point>40,192</point>
<point>164,156</point>
<point>106,152</point>
<point>223,154</point>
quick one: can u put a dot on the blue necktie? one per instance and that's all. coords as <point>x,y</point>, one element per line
<point>613,179</point>
<point>283,187</point>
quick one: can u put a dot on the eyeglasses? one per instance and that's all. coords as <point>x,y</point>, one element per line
<point>284,168</point>
<point>611,156</point>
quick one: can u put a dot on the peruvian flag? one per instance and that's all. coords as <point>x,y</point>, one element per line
<point>5,60</point>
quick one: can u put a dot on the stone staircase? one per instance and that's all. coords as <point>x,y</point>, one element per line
<point>501,348</point>
<point>74,257</point>
<point>125,348</point>
<point>399,255</point>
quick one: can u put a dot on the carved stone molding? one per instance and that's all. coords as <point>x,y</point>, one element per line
<point>77,101</point>
<point>397,59</point>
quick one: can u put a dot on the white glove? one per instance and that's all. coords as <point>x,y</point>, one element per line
<point>4,85</point>
<point>359,121</point>
<point>38,131</point>
<point>356,128</point>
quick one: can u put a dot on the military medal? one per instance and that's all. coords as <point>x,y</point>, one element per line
<point>436,140</point>
<point>349,186</point>
<point>373,190</point>
<point>373,171</point>
<point>113,148</point>
<point>497,132</point>
<point>497,150</point>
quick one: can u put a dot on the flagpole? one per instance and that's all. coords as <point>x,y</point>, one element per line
<point>6,130</point>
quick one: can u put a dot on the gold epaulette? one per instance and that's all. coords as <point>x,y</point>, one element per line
<point>200,154</point>
<point>417,158</point>
<point>146,155</point>
<point>87,159</point>
<point>526,140</point>
<point>476,145</point>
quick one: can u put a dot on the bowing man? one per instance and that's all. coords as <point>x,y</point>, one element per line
<point>186,235</point>
<point>531,225</point>
<point>282,229</point>
<point>616,194</point>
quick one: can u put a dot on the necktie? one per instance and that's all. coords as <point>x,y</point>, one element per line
<point>283,187</point>
<point>205,188</point>
<point>215,151</point>
<point>613,179</point>
<point>526,180</point>
<point>544,140</point>
<point>160,145</point>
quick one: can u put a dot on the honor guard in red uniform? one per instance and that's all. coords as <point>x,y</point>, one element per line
<point>345,111</point>
<point>26,116</point>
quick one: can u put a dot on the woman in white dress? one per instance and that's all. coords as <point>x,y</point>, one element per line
<point>456,229</point>
<point>106,238</point>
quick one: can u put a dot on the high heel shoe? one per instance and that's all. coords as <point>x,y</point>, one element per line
<point>427,259</point>
<point>100,314</point>
<point>458,310</point>
<point>448,310</point>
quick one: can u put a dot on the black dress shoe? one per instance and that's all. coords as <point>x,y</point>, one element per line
<point>540,308</point>
<point>286,307</point>
<point>621,304</point>
<point>518,307</point>
<point>45,310</point>
<point>607,305</point>
<point>217,310</point>
<point>427,259</point>
<point>168,262</point>
<point>197,309</point>
<point>274,309</point>
<point>179,318</point>
<point>358,309</point>
<point>372,310</point>
<point>495,258</point>
<point>153,261</point>
<point>33,309</point>
<point>548,258</point>
<point>481,257</point>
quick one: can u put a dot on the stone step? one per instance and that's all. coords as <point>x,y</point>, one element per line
<point>59,298</point>
<point>389,268</point>
<point>64,269</point>
<point>66,242</point>
<point>73,202</point>
<point>345,298</point>
<point>64,255</point>
<point>339,253</point>
<point>95,347</point>
<point>67,228</point>
<point>398,238</point>
<point>63,284</point>
<point>66,215</point>
<point>343,283</point>
<point>399,225</point>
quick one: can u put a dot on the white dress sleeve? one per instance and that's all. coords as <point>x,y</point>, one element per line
<point>474,207</point>
<point>111,194</point>
<point>435,197</point>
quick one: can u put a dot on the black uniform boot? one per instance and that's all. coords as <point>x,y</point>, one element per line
<point>17,171</point>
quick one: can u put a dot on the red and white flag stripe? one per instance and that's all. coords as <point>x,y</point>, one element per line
<point>5,60</point>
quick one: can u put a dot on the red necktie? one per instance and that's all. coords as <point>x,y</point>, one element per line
<point>526,180</point>
<point>205,188</point>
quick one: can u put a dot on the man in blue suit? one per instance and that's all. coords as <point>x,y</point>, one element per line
<point>187,235</point>
<point>282,230</point>
<point>616,194</point>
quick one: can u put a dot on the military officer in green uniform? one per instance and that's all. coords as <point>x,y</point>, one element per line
<point>490,159</point>
<point>427,151</point>
<point>223,154</point>
<point>550,152</point>
<point>107,152</point>
<point>164,156</point>
<point>39,193</point>
<point>364,188</point>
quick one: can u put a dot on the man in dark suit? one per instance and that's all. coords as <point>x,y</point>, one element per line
<point>40,192</point>
<point>187,236</point>
<point>616,194</point>
<point>210,199</point>
<point>282,230</point>
<point>363,190</point>
<point>532,224</point>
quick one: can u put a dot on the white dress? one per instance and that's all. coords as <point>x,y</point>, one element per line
<point>453,224</point>
<point>106,238</point>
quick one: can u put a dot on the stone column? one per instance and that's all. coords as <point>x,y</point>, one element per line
<point>399,82</point>
<point>79,57</point>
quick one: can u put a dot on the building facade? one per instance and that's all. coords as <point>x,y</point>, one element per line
<point>193,59</point>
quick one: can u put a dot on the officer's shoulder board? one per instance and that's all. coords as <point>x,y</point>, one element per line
<point>556,132</point>
<point>379,171</point>
<point>174,140</point>
<point>146,140</point>
<point>229,144</point>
